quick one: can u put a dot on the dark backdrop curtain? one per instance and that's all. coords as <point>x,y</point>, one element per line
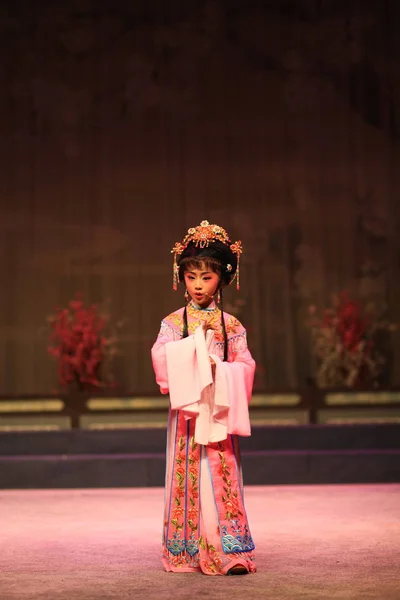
<point>124,123</point>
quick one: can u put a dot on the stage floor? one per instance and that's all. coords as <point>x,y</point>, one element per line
<point>313,542</point>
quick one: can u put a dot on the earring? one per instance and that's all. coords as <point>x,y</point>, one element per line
<point>218,297</point>
<point>187,296</point>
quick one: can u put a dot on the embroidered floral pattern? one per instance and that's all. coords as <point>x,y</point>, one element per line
<point>236,343</point>
<point>184,517</point>
<point>229,498</point>
<point>182,560</point>
<point>185,547</point>
<point>197,317</point>
<point>234,530</point>
<point>216,561</point>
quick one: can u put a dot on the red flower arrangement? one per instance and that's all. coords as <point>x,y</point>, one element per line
<point>80,345</point>
<point>344,343</point>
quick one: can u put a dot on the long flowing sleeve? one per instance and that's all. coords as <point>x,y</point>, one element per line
<point>220,402</point>
<point>159,358</point>
<point>242,361</point>
<point>236,378</point>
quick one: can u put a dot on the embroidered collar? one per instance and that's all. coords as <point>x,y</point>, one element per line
<point>192,306</point>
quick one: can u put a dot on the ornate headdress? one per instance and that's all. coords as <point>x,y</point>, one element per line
<point>201,236</point>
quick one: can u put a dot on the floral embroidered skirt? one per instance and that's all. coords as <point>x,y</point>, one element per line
<point>205,523</point>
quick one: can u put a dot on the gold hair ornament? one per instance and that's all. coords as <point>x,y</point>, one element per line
<point>202,235</point>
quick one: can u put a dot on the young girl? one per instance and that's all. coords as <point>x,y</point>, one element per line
<point>201,359</point>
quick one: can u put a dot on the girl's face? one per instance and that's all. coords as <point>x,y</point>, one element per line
<point>201,285</point>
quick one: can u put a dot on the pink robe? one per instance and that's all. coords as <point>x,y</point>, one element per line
<point>205,524</point>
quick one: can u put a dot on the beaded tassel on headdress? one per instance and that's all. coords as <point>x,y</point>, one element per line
<point>202,235</point>
<point>176,250</point>
<point>237,249</point>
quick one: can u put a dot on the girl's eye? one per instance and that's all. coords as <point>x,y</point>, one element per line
<point>206,278</point>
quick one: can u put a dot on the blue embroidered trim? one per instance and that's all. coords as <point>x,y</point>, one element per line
<point>211,308</point>
<point>192,545</point>
<point>241,542</point>
<point>241,335</point>
<point>175,545</point>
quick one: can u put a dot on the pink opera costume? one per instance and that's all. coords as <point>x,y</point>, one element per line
<point>205,524</point>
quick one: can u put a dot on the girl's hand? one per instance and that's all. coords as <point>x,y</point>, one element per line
<point>213,366</point>
<point>206,326</point>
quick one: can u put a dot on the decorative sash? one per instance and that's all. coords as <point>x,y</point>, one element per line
<point>182,527</point>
